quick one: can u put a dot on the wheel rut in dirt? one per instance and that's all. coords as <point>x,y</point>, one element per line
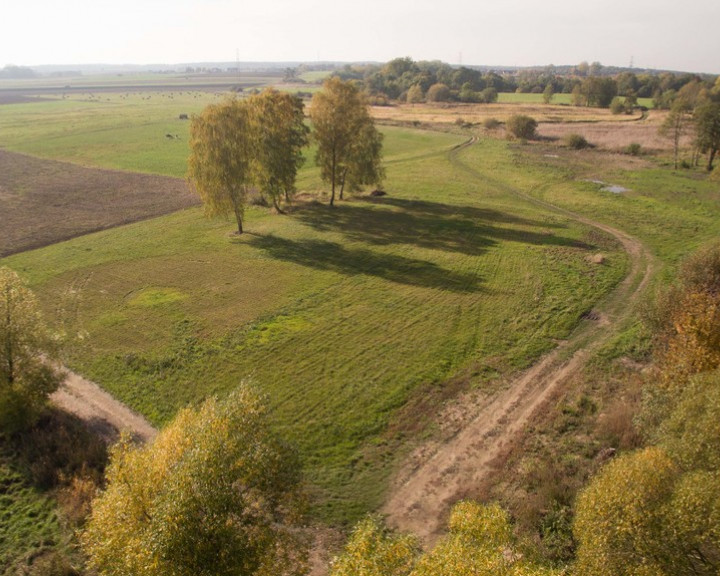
<point>437,475</point>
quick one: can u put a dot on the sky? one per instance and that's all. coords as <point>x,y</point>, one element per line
<point>660,34</point>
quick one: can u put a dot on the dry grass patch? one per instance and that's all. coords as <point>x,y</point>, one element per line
<point>445,113</point>
<point>616,135</point>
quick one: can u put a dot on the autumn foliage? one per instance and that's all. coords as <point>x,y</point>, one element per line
<point>213,494</point>
<point>656,512</point>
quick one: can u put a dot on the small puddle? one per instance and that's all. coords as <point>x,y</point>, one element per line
<point>605,187</point>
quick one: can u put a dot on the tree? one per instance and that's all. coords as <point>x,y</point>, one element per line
<point>348,142</point>
<point>214,494</point>
<point>620,521</point>
<point>414,94</point>
<point>707,126</point>
<point>480,542</point>
<point>489,95</point>
<point>598,91</point>
<point>373,550</point>
<point>522,126</point>
<point>27,349</point>
<point>548,93</point>
<point>577,97</point>
<point>675,125</point>
<point>656,511</point>
<point>220,163</point>
<point>278,133</point>
<point>366,168</point>
<point>438,92</point>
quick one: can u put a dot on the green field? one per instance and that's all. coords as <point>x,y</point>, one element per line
<point>527,98</point>
<point>343,316</point>
<point>559,98</point>
<point>358,321</point>
<point>121,131</point>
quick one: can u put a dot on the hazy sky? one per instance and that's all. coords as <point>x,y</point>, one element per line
<point>655,33</point>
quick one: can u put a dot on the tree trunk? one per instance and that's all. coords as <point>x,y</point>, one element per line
<point>238,209</point>
<point>334,167</point>
<point>711,158</point>
<point>277,206</point>
<point>342,183</point>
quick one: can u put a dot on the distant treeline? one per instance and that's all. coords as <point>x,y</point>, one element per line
<point>16,72</point>
<point>591,84</point>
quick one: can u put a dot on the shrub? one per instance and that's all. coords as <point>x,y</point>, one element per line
<point>633,149</point>
<point>489,95</point>
<point>617,106</point>
<point>414,94</point>
<point>576,141</point>
<point>438,93</point>
<point>491,123</point>
<point>522,126</point>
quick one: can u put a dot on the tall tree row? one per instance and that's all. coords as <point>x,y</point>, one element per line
<point>349,146</point>
<point>257,143</point>
<point>240,144</point>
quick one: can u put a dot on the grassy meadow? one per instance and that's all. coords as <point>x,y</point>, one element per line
<point>356,322</point>
<point>343,317</point>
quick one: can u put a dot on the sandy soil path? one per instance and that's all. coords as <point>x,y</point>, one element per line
<point>103,413</point>
<point>436,475</point>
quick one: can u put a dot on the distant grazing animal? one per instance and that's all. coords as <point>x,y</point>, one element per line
<point>183,117</point>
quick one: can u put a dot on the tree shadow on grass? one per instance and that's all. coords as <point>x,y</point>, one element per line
<point>462,229</point>
<point>323,255</point>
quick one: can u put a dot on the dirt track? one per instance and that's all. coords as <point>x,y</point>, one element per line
<point>437,475</point>
<point>103,413</point>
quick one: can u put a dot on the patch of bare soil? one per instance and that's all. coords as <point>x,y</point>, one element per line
<point>440,473</point>
<point>102,413</point>
<point>44,201</point>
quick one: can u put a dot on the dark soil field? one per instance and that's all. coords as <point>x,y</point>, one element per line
<point>44,201</point>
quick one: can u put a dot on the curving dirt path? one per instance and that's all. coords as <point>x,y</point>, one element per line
<point>102,413</point>
<point>438,475</point>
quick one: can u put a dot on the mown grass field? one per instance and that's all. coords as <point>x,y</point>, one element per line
<point>356,322</point>
<point>343,317</point>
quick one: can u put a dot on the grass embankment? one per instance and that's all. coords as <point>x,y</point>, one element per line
<point>343,317</point>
